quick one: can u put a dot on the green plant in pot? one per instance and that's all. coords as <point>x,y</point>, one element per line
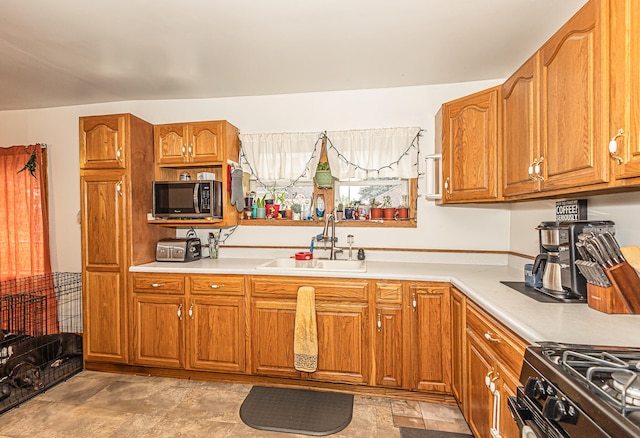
<point>340,211</point>
<point>403,208</point>
<point>261,211</point>
<point>296,209</point>
<point>324,180</point>
<point>388,212</point>
<point>375,212</point>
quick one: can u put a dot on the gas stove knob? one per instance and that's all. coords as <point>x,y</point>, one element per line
<point>538,389</point>
<point>559,410</point>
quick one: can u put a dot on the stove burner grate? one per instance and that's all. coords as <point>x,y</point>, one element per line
<point>621,388</point>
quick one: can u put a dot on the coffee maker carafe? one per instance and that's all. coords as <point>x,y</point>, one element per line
<point>549,259</point>
<point>561,279</point>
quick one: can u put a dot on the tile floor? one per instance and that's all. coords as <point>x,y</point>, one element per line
<point>93,404</point>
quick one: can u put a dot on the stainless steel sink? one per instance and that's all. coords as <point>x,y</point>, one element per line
<point>288,264</point>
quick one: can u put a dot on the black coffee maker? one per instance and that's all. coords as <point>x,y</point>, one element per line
<point>561,278</point>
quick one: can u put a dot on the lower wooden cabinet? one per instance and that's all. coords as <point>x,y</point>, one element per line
<point>430,337</point>
<point>493,362</point>
<point>390,352</point>
<point>198,324</point>
<point>458,350</point>
<point>342,316</point>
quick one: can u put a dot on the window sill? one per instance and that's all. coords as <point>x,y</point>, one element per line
<point>407,223</point>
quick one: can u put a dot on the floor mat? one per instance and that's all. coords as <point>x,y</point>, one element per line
<point>406,432</point>
<point>296,410</point>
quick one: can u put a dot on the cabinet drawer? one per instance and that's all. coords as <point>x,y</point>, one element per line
<point>388,292</point>
<point>159,283</point>
<point>506,346</point>
<point>217,284</point>
<point>287,287</point>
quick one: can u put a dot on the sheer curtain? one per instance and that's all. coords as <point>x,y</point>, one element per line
<point>373,153</point>
<point>281,156</point>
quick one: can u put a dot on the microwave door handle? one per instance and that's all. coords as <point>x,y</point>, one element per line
<point>196,197</point>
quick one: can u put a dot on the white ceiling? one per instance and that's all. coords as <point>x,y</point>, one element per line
<point>66,52</point>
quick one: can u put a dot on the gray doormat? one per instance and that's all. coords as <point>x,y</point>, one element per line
<point>407,432</point>
<point>296,410</point>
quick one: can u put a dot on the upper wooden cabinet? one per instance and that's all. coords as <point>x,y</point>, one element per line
<point>103,141</point>
<point>624,90</point>
<point>470,140</point>
<point>573,104</point>
<point>520,130</point>
<point>198,142</point>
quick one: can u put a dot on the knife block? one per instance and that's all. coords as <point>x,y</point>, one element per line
<point>606,299</point>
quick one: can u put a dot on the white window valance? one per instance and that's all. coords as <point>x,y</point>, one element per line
<point>288,156</point>
<point>374,153</point>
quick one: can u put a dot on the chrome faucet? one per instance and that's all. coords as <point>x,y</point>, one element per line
<point>325,237</point>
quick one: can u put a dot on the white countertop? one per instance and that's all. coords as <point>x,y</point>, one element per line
<point>532,320</point>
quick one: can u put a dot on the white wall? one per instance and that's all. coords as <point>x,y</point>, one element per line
<point>439,228</point>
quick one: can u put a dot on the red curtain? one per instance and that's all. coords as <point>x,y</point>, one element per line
<point>24,225</point>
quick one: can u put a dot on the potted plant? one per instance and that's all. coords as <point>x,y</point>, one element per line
<point>388,212</point>
<point>376,211</point>
<point>261,211</point>
<point>324,180</point>
<point>340,211</point>
<point>403,208</point>
<point>296,209</point>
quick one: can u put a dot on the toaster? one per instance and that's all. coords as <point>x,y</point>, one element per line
<point>178,249</point>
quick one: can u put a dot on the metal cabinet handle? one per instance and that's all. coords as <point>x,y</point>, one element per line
<point>537,169</point>
<point>379,323</point>
<point>492,384</point>
<point>216,286</point>
<point>487,378</point>
<point>119,188</point>
<point>447,186</point>
<point>157,284</point>
<point>414,302</point>
<point>119,154</point>
<point>613,147</point>
<point>184,150</point>
<point>191,311</point>
<point>180,312</point>
<point>530,170</point>
<point>191,150</point>
<point>489,337</point>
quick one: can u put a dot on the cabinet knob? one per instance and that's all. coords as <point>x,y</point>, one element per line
<point>216,286</point>
<point>157,284</point>
<point>613,147</point>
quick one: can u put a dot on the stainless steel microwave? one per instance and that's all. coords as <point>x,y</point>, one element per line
<point>200,199</point>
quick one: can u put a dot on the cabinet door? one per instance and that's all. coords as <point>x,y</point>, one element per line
<point>205,142</point>
<point>470,148</point>
<point>102,142</point>
<point>388,346</point>
<point>520,127</point>
<point>342,343</point>
<point>272,330</point>
<point>479,399</point>
<point>158,322</point>
<point>103,303</point>
<point>458,354</point>
<point>104,265</point>
<point>572,107</point>
<point>431,338</point>
<point>216,339</point>
<point>508,385</point>
<point>170,143</point>
<point>625,90</point>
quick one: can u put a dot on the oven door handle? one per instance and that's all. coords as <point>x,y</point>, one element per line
<point>523,418</point>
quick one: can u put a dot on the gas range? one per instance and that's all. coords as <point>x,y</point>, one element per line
<point>578,391</point>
